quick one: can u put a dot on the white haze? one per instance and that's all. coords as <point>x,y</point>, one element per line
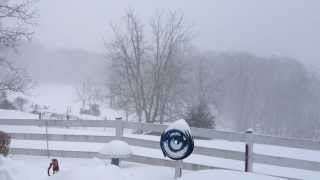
<point>244,64</point>
<point>263,27</point>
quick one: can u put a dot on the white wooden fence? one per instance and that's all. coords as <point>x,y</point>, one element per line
<point>119,125</point>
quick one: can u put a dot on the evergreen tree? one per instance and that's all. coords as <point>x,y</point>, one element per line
<point>200,116</point>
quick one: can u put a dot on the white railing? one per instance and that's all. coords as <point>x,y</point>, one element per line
<point>248,138</point>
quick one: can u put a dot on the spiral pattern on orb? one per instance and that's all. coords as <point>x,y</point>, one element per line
<point>176,144</point>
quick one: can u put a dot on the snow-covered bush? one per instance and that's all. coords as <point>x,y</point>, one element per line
<point>35,109</point>
<point>200,116</point>
<point>5,103</point>
<point>116,148</point>
<point>20,103</point>
<point>5,140</point>
<point>94,109</point>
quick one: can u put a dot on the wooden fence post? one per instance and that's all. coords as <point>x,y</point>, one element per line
<point>178,169</point>
<point>119,128</point>
<point>249,151</point>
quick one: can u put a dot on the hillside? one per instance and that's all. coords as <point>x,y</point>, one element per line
<point>57,98</point>
<point>58,65</point>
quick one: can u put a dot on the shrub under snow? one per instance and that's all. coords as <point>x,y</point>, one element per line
<point>116,149</point>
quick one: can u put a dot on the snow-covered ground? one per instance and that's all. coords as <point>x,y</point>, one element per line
<point>156,153</point>
<point>60,97</point>
<point>14,114</point>
<point>116,149</point>
<point>295,153</point>
<point>35,168</point>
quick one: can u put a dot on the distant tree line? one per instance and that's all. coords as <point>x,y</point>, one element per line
<point>273,95</point>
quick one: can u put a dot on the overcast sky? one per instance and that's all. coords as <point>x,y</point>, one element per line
<point>264,27</point>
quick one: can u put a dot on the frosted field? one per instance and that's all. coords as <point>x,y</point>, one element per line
<point>34,168</point>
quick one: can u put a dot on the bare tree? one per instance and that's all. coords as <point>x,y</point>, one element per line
<point>145,68</point>
<point>15,26</point>
<point>170,36</point>
<point>12,78</point>
<point>127,52</point>
<point>88,92</point>
<point>15,20</point>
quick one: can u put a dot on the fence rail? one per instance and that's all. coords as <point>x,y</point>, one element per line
<point>198,132</point>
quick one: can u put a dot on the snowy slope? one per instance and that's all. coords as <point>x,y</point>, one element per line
<point>59,97</point>
<point>14,114</point>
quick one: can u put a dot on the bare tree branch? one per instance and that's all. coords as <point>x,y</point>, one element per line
<point>16,21</point>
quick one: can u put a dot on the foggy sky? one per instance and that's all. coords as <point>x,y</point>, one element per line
<point>264,27</point>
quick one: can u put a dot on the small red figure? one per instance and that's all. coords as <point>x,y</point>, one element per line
<point>55,166</point>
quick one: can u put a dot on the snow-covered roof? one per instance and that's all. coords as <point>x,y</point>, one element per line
<point>116,149</point>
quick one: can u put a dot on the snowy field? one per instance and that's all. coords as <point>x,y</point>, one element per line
<point>58,98</point>
<point>35,168</point>
<point>156,153</point>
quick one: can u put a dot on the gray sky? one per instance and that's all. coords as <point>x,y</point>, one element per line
<point>264,27</point>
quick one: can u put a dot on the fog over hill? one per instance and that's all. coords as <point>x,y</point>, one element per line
<point>58,65</point>
<point>274,95</point>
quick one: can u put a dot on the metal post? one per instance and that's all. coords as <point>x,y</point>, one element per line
<point>47,139</point>
<point>249,151</point>
<point>178,169</point>
<point>119,128</point>
<point>115,161</point>
<point>40,118</point>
